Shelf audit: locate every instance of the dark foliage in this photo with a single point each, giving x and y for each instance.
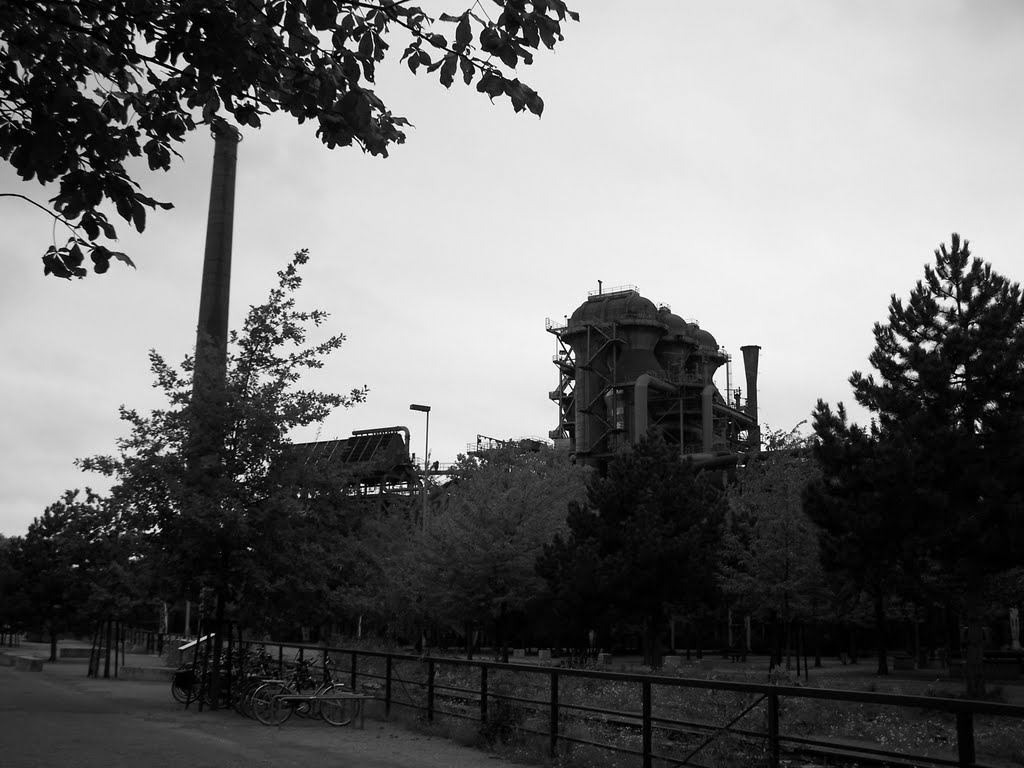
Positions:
(939, 478)
(644, 547)
(85, 85)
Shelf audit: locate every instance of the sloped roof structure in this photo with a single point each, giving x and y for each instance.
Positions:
(369, 457)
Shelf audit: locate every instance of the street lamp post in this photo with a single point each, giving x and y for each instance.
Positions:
(426, 457)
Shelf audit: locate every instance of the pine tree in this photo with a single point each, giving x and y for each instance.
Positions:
(870, 520)
(949, 402)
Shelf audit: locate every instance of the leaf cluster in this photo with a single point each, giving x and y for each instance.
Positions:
(934, 486)
(770, 550)
(87, 85)
(475, 559)
(77, 564)
(869, 517)
(645, 544)
(211, 477)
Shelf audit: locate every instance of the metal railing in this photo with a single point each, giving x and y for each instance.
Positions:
(665, 719)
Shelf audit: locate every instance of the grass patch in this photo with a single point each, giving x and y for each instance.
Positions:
(518, 716)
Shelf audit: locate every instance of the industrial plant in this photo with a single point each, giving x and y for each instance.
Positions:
(626, 368)
(629, 368)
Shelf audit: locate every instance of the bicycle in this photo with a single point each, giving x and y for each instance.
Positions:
(276, 700)
(264, 701)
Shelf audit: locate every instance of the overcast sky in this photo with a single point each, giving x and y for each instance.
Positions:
(774, 170)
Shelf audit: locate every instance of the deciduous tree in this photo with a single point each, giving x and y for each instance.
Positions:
(210, 475)
(12, 606)
(87, 85)
(647, 541)
(771, 564)
(70, 568)
(475, 563)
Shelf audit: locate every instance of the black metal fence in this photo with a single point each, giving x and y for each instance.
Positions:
(670, 721)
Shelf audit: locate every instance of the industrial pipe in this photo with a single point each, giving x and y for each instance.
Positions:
(707, 398)
(379, 430)
(641, 394)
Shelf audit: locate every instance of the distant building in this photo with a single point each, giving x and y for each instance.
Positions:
(628, 368)
(372, 463)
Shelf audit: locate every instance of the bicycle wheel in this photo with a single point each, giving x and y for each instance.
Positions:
(337, 711)
(243, 702)
(185, 686)
(315, 703)
(304, 684)
(267, 707)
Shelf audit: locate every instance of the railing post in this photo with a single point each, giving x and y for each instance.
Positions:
(353, 675)
(553, 725)
(430, 690)
(773, 729)
(483, 694)
(646, 723)
(965, 739)
(387, 685)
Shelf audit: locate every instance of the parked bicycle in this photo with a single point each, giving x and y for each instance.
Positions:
(301, 694)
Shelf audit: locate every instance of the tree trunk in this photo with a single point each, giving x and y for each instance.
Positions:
(789, 647)
(53, 643)
(803, 650)
(776, 652)
(94, 653)
(883, 651)
(951, 622)
(817, 645)
(502, 640)
(919, 651)
(106, 656)
(218, 649)
(652, 642)
(975, 666)
(787, 622)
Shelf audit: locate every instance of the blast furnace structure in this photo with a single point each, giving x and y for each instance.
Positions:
(628, 368)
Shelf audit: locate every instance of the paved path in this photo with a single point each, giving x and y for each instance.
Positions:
(59, 717)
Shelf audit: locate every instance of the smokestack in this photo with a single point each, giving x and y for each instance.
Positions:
(210, 369)
(750, 356)
(212, 331)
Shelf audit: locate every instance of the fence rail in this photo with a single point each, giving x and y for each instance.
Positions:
(652, 715)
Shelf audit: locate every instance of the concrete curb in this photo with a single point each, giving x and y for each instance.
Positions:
(21, 661)
(28, 663)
